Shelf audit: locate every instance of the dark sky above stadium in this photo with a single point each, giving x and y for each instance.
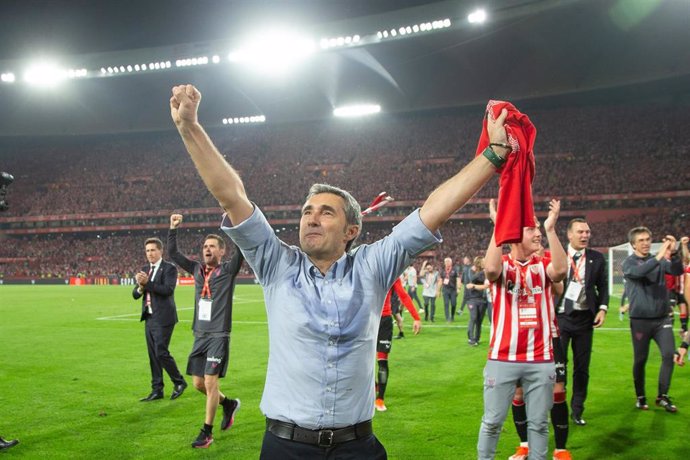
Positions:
(528, 50)
(29, 27)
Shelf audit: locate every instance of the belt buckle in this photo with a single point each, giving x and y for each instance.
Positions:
(325, 438)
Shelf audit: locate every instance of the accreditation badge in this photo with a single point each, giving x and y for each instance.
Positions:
(205, 309)
(574, 291)
(527, 313)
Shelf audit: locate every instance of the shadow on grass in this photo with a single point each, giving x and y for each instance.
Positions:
(623, 440)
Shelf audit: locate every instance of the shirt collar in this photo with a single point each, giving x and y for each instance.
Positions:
(572, 251)
(336, 271)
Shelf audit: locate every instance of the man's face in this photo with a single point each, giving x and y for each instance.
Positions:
(579, 235)
(642, 243)
(466, 261)
(212, 252)
(153, 253)
(531, 240)
(448, 263)
(323, 228)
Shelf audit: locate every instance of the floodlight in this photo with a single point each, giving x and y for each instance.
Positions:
(274, 51)
(7, 77)
(103, 70)
(356, 110)
(45, 74)
(477, 17)
(215, 59)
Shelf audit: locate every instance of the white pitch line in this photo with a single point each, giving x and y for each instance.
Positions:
(236, 300)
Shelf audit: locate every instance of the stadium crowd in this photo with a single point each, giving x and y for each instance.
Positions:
(403, 155)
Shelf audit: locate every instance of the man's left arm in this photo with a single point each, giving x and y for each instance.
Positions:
(236, 260)
(558, 268)
(602, 287)
(456, 191)
(674, 266)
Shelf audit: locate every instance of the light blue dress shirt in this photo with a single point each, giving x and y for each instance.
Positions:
(323, 328)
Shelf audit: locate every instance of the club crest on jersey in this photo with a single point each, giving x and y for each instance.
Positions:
(534, 269)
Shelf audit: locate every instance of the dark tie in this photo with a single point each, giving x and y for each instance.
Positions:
(148, 294)
(576, 257)
(569, 304)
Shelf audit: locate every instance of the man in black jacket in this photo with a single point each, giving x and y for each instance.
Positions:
(582, 308)
(650, 310)
(156, 286)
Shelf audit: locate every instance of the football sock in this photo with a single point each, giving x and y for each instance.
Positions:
(520, 419)
(559, 419)
(383, 378)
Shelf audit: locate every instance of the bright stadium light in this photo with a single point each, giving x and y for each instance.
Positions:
(356, 110)
(477, 17)
(246, 119)
(7, 77)
(44, 74)
(273, 52)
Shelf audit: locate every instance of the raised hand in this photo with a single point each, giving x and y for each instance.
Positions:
(184, 104)
(175, 220)
(554, 210)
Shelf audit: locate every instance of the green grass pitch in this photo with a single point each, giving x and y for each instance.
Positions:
(73, 366)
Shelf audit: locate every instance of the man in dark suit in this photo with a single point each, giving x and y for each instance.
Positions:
(582, 308)
(155, 286)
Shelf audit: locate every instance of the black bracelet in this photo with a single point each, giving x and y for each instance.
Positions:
(493, 158)
(500, 144)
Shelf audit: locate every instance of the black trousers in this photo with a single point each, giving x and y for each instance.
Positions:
(275, 448)
(412, 292)
(450, 299)
(576, 328)
(643, 332)
(157, 342)
(477, 310)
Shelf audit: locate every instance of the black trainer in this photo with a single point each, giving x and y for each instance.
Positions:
(6, 444)
(203, 440)
(641, 403)
(665, 402)
(229, 414)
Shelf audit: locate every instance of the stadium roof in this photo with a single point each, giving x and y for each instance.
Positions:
(526, 50)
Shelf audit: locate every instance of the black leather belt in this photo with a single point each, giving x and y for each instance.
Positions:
(321, 438)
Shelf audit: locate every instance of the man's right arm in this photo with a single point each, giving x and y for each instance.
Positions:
(220, 178)
(179, 258)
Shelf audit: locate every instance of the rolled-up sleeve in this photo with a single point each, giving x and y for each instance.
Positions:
(389, 256)
(414, 236)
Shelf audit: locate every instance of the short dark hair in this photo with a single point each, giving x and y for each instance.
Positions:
(156, 241)
(353, 212)
(577, 220)
(213, 236)
(632, 234)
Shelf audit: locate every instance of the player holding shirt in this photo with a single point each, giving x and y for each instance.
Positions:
(521, 345)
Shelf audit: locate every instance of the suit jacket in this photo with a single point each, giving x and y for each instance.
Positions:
(596, 281)
(162, 289)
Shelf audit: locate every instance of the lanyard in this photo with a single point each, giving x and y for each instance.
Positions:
(576, 268)
(206, 291)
